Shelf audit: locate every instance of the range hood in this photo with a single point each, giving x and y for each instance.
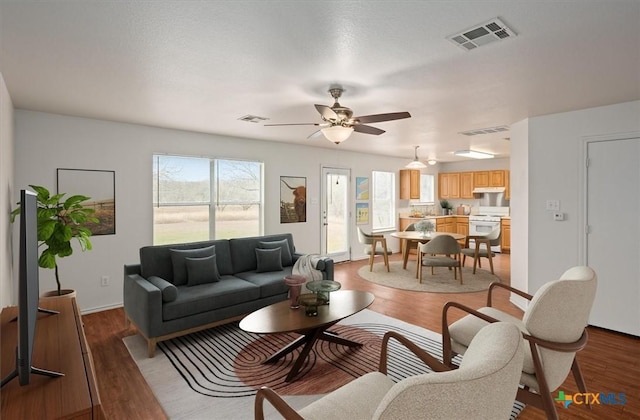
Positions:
(484, 190)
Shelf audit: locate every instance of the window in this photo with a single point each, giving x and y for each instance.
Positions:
(197, 199)
(383, 203)
(427, 194)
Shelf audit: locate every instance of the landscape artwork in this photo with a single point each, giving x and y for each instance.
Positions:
(362, 188)
(100, 186)
(293, 199)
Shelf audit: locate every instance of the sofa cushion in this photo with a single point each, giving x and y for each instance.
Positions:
(229, 291)
(201, 270)
(268, 260)
(243, 254)
(270, 283)
(169, 291)
(155, 260)
(178, 259)
(285, 252)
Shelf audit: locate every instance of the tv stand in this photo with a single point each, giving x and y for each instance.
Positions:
(59, 344)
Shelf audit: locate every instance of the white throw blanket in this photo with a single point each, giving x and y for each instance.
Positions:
(306, 266)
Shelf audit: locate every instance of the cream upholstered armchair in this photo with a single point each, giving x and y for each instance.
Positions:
(553, 327)
(484, 387)
(371, 247)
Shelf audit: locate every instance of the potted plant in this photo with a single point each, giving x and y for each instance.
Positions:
(59, 221)
(445, 206)
(425, 227)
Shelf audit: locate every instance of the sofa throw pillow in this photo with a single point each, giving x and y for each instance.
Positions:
(202, 270)
(268, 260)
(168, 290)
(285, 252)
(179, 264)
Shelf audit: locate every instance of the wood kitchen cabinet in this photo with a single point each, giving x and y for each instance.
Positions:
(505, 241)
(495, 178)
(409, 184)
(462, 225)
(446, 224)
(466, 184)
(449, 185)
(507, 185)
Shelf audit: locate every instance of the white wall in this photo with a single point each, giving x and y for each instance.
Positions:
(7, 202)
(552, 156)
(45, 142)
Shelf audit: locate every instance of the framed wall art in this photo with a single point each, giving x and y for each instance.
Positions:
(293, 199)
(100, 186)
(362, 213)
(362, 188)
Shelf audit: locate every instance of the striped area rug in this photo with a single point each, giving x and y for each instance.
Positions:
(214, 374)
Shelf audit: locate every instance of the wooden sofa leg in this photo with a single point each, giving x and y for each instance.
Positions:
(151, 347)
(127, 322)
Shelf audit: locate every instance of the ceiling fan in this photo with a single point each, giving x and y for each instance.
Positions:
(339, 122)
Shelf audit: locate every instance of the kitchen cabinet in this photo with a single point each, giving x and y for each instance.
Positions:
(462, 225)
(505, 241)
(449, 185)
(507, 191)
(409, 184)
(446, 224)
(466, 184)
(495, 178)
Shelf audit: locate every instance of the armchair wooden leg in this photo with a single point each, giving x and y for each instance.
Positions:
(490, 261)
(577, 375)
(386, 255)
(371, 259)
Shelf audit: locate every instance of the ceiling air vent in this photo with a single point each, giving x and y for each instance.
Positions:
(482, 34)
(252, 118)
(490, 130)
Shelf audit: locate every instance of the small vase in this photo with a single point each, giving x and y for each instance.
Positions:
(295, 285)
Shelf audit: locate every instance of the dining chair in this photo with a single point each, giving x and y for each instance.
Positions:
(441, 251)
(482, 248)
(484, 387)
(553, 329)
(371, 242)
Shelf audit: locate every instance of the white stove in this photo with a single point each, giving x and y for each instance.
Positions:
(486, 221)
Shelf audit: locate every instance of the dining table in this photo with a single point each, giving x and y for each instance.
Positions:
(408, 237)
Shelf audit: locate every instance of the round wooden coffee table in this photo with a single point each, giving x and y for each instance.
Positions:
(280, 318)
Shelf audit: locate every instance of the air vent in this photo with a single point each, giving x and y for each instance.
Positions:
(490, 130)
(482, 34)
(252, 118)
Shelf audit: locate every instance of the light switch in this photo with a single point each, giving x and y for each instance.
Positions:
(558, 217)
(553, 205)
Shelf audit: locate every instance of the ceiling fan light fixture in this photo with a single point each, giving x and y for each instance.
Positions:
(432, 162)
(415, 163)
(474, 154)
(337, 133)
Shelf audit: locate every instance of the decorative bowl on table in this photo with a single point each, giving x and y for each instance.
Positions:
(311, 301)
(323, 288)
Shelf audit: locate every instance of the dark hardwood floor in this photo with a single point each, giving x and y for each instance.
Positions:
(610, 362)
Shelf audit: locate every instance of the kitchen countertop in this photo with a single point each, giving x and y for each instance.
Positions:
(434, 217)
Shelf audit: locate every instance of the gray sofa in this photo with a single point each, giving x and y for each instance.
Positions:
(179, 289)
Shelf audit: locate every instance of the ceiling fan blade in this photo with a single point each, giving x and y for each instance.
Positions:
(275, 125)
(367, 129)
(326, 112)
(367, 119)
(314, 135)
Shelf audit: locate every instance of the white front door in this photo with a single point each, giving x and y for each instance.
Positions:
(613, 232)
(336, 217)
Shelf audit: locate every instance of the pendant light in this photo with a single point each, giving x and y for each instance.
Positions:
(415, 163)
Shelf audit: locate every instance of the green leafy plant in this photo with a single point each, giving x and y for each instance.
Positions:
(445, 204)
(425, 226)
(59, 221)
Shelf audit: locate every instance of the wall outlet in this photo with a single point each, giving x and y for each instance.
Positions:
(104, 281)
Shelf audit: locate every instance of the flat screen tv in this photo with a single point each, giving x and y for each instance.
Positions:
(28, 291)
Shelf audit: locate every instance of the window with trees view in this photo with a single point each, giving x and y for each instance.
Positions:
(197, 199)
(383, 202)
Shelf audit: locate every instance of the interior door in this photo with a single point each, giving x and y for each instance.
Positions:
(613, 232)
(336, 217)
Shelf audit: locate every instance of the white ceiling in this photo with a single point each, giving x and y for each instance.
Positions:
(201, 65)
